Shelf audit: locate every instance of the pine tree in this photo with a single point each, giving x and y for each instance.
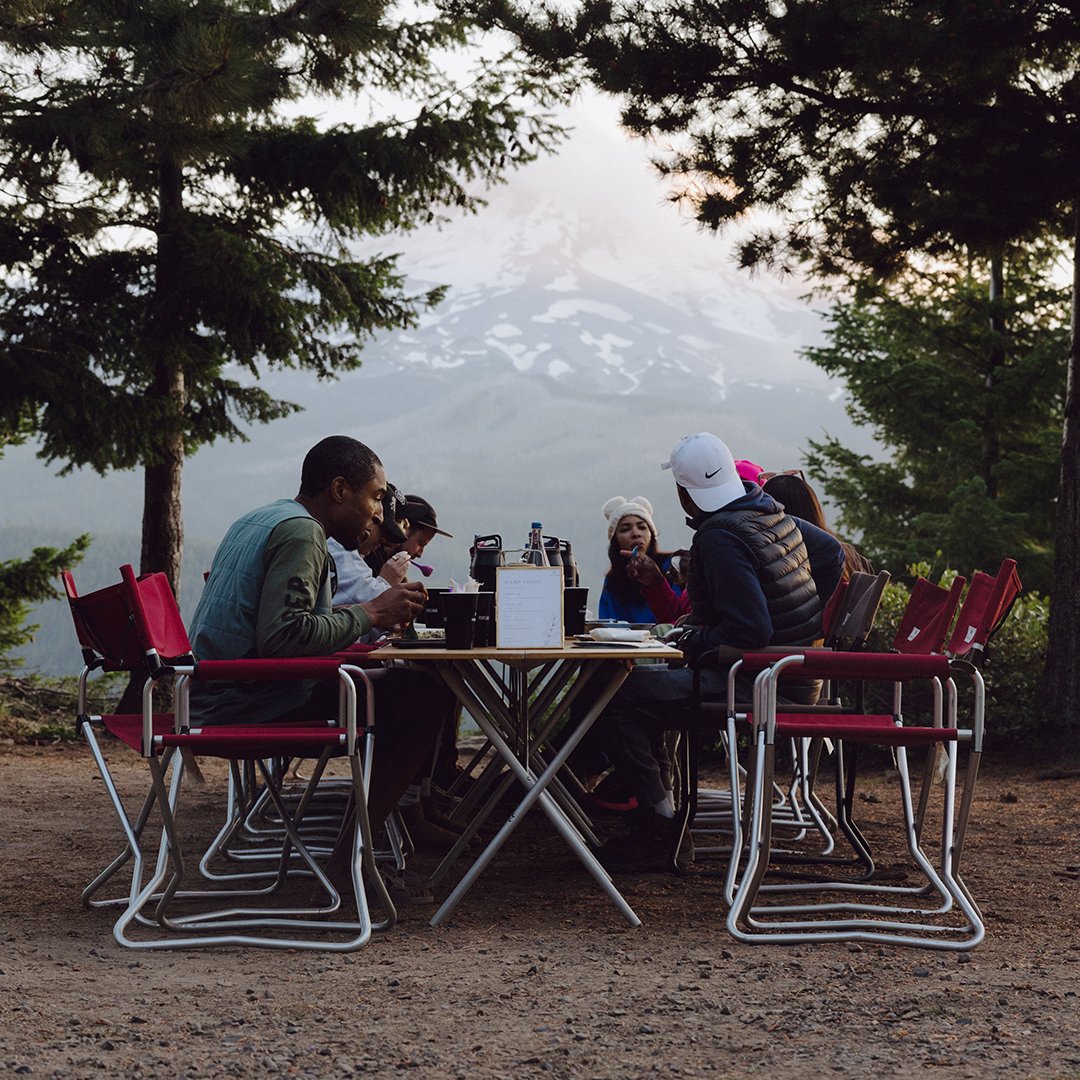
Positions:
(966, 390)
(170, 230)
(29, 581)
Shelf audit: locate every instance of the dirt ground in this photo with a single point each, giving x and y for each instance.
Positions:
(536, 974)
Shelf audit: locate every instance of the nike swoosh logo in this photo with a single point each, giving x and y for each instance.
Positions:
(710, 475)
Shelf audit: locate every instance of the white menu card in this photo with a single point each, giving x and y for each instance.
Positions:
(528, 607)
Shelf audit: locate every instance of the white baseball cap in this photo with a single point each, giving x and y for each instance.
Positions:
(703, 465)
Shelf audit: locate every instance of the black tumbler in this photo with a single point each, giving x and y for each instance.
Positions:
(432, 612)
(485, 620)
(459, 618)
(574, 603)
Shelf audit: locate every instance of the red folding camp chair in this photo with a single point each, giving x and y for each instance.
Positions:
(938, 913)
(146, 615)
(109, 643)
(934, 914)
(986, 606)
(922, 629)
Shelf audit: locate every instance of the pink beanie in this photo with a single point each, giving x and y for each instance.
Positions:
(748, 470)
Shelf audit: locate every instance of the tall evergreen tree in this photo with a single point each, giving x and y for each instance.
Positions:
(868, 129)
(966, 390)
(168, 234)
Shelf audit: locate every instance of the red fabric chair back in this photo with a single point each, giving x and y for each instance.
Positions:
(925, 623)
(155, 615)
(988, 602)
(104, 627)
(828, 615)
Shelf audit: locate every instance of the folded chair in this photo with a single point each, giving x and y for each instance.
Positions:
(937, 913)
(148, 615)
(109, 643)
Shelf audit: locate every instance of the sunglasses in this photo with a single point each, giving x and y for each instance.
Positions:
(767, 476)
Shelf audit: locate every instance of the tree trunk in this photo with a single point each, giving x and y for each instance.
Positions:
(163, 523)
(162, 527)
(1062, 673)
(995, 361)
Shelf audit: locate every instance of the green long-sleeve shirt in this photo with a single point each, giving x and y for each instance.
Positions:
(269, 595)
(295, 617)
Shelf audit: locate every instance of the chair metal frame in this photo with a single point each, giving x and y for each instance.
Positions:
(847, 619)
(886, 913)
(955, 923)
(154, 621)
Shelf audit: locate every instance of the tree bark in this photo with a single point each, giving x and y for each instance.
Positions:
(163, 521)
(162, 526)
(995, 361)
(1062, 673)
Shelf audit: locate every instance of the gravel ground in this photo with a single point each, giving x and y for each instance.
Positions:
(536, 975)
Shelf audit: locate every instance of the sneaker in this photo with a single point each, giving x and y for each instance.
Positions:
(613, 794)
(647, 848)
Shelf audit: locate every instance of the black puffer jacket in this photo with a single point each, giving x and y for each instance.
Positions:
(758, 576)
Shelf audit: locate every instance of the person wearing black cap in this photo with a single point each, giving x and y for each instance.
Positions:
(422, 524)
(419, 806)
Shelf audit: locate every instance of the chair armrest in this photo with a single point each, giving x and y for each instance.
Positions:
(826, 664)
(269, 670)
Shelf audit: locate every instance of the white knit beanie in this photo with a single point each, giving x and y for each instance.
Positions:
(615, 509)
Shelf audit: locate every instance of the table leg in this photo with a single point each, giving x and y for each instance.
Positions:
(536, 792)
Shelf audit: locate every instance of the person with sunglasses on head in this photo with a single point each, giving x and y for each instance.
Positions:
(791, 490)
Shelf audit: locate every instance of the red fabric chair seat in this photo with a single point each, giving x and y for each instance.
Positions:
(861, 727)
(255, 740)
(128, 727)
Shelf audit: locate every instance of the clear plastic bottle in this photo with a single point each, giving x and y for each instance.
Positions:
(535, 555)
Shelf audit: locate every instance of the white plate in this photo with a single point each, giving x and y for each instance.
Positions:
(618, 633)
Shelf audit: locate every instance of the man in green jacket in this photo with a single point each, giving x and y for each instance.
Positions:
(269, 595)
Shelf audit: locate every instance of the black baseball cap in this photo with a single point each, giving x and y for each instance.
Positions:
(420, 512)
(393, 506)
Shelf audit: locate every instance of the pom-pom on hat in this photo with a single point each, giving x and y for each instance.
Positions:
(703, 465)
(615, 509)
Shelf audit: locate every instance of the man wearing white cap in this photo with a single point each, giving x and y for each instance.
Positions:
(757, 577)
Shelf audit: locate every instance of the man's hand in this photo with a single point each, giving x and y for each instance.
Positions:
(642, 569)
(396, 606)
(395, 568)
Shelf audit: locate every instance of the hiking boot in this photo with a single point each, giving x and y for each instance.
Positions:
(427, 837)
(647, 848)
